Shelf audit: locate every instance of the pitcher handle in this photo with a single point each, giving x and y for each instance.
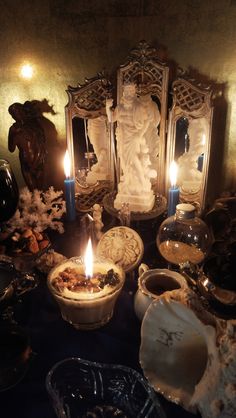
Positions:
(142, 268)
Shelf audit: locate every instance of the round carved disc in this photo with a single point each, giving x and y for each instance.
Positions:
(123, 246)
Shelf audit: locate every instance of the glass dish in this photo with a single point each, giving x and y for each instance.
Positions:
(80, 388)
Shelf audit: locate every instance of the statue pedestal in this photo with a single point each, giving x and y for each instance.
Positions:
(157, 210)
(137, 203)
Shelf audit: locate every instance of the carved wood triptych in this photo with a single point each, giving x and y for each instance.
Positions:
(183, 132)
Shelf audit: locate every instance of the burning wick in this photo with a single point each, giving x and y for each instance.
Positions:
(88, 260)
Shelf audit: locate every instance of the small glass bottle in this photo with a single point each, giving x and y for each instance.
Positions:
(183, 237)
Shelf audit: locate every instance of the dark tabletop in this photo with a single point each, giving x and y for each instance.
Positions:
(52, 339)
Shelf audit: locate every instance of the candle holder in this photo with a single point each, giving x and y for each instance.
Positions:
(86, 303)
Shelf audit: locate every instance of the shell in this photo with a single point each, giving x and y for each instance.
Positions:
(189, 356)
(215, 394)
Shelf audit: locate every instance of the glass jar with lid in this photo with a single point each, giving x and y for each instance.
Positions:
(184, 237)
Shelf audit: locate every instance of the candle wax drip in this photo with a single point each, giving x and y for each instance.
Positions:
(73, 280)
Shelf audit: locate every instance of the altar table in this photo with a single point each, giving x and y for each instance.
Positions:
(52, 340)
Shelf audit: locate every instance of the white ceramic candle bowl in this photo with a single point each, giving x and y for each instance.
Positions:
(152, 284)
(86, 310)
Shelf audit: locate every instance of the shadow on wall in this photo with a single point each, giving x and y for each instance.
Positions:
(40, 153)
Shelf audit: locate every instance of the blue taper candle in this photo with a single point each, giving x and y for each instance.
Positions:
(69, 184)
(173, 194)
(173, 200)
(70, 199)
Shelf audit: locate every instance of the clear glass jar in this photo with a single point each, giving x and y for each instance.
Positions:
(184, 237)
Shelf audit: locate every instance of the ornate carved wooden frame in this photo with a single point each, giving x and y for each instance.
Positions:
(86, 101)
(191, 101)
(144, 68)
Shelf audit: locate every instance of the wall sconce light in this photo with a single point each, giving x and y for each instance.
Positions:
(26, 71)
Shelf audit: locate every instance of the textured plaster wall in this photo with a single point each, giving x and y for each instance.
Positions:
(68, 40)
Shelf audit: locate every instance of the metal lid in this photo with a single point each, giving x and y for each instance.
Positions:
(185, 211)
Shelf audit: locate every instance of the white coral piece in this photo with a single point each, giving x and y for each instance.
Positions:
(39, 210)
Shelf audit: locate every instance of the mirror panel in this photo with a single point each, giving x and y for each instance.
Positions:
(91, 148)
(88, 135)
(189, 138)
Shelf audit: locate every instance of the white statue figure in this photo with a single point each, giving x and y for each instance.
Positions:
(189, 175)
(151, 134)
(132, 123)
(99, 138)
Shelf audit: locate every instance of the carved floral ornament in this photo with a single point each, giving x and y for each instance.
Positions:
(150, 74)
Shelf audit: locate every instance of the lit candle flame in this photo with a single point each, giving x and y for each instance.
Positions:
(67, 165)
(173, 173)
(88, 260)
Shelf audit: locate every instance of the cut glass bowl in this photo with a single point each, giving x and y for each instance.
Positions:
(83, 389)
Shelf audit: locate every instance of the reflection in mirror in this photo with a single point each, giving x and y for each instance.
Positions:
(189, 154)
(79, 144)
(98, 137)
(151, 134)
(182, 138)
(189, 138)
(91, 150)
